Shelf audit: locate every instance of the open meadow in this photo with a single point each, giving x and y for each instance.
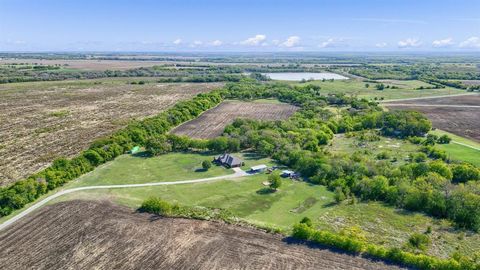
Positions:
(405, 89)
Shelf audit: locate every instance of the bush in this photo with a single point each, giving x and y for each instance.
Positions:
(206, 164)
(444, 139)
(157, 206)
(419, 241)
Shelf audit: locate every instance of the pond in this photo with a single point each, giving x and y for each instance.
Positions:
(298, 76)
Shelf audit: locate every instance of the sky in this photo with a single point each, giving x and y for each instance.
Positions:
(239, 25)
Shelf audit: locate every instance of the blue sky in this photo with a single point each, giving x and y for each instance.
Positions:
(240, 25)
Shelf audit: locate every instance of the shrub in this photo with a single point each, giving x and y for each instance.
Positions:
(156, 206)
(206, 164)
(419, 241)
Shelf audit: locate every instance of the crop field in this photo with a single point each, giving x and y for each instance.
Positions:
(101, 235)
(471, 82)
(406, 89)
(45, 120)
(212, 123)
(458, 115)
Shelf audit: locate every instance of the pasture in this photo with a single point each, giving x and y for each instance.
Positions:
(406, 89)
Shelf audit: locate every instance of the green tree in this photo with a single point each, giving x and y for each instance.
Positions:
(275, 181)
(339, 195)
(444, 139)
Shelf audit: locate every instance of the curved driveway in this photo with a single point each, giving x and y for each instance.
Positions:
(238, 173)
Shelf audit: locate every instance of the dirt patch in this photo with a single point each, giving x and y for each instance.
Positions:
(100, 235)
(212, 123)
(43, 121)
(449, 115)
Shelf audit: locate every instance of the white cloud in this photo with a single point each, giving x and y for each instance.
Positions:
(254, 41)
(471, 43)
(441, 43)
(381, 45)
(409, 43)
(216, 43)
(291, 41)
(275, 42)
(177, 41)
(331, 43)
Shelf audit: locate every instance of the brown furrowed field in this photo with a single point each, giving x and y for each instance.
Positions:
(459, 115)
(42, 121)
(212, 123)
(101, 235)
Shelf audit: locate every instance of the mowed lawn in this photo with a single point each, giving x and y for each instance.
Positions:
(406, 89)
(140, 168)
(246, 198)
(135, 169)
(458, 151)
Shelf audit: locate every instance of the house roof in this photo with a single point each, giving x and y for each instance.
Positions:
(229, 159)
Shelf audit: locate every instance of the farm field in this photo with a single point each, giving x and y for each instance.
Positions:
(212, 123)
(86, 64)
(116, 237)
(406, 89)
(245, 198)
(457, 115)
(42, 121)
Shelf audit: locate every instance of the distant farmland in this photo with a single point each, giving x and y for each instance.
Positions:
(45, 120)
(458, 114)
(212, 123)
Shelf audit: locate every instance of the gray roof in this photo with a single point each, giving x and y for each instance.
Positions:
(230, 160)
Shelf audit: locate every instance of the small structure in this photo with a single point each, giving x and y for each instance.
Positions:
(258, 168)
(287, 173)
(228, 160)
(134, 150)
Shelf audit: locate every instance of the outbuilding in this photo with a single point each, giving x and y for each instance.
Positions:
(287, 173)
(258, 168)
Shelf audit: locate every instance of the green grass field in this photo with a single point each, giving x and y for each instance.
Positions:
(407, 89)
(396, 149)
(458, 151)
(137, 169)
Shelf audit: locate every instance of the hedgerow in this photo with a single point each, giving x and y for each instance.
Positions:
(305, 232)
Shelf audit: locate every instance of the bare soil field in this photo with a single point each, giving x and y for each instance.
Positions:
(212, 123)
(42, 121)
(87, 64)
(101, 235)
(451, 114)
(471, 82)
